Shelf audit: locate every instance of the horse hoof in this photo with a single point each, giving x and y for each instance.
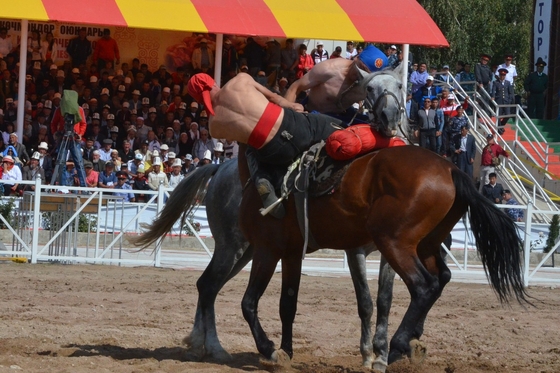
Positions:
(221, 356)
(194, 354)
(379, 365)
(417, 352)
(278, 360)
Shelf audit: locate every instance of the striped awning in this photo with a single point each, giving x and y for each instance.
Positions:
(382, 21)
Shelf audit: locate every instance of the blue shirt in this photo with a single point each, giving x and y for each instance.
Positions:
(127, 196)
(106, 179)
(514, 214)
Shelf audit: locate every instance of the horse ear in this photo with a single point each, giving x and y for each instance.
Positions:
(362, 74)
(399, 69)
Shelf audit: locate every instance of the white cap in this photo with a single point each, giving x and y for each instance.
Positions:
(138, 156)
(110, 117)
(37, 65)
(219, 147)
(36, 155)
(177, 163)
(155, 153)
(171, 155)
(394, 47)
(136, 92)
(183, 105)
(126, 104)
(48, 104)
(203, 114)
(188, 157)
(96, 116)
(207, 155)
(122, 88)
(164, 147)
(105, 91)
(93, 79)
(194, 104)
(54, 67)
(120, 72)
(166, 89)
(127, 80)
(451, 96)
(152, 110)
(43, 145)
(85, 106)
(114, 129)
(145, 101)
(75, 70)
(56, 95)
(60, 74)
(320, 43)
(430, 77)
(156, 162)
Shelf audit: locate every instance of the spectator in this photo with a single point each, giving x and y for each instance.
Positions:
(92, 177)
(351, 52)
(107, 178)
(157, 176)
(12, 173)
(502, 93)
(483, 73)
(20, 150)
(289, 60)
(254, 56)
(511, 74)
(176, 176)
(440, 125)
(319, 55)
(32, 172)
(229, 61)
(203, 144)
(536, 85)
(218, 157)
(428, 90)
(203, 58)
(418, 78)
(206, 159)
(453, 129)
(98, 164)
(487, 164)
(6, 46)
(123, 185)
(515, 214)
(188, 166)
(135, 164)
(392, 57)
(79, 48)
(305, 62)
(464, 149)
(105, 151)
(140, 183)
(466, 75)
(273, 57)
(45, 162)
(106, 50)
(427, 126)
(493, 190)
(337, 53)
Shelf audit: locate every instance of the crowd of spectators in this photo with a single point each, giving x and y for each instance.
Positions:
(144, 129)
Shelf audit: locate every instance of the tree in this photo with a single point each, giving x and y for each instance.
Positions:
(553, 233)
(473, 27)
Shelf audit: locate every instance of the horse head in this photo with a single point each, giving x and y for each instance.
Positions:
(384, 100)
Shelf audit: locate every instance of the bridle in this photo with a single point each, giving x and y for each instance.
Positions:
(373, 105)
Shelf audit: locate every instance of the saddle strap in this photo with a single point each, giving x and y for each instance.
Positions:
(302, 209)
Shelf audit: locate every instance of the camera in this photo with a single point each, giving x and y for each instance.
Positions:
(69, 123)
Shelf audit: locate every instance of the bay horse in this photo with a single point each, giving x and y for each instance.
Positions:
(232, 252)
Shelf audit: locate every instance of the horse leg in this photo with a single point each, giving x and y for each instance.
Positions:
(291, 276)
(225, 264)
(384, 301)
(358, 271)
(264, 264)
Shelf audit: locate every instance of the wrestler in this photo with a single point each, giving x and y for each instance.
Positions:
(276, 130)
(332, 82)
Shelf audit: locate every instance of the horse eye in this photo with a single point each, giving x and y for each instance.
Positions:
(400, 86)
(369, 88)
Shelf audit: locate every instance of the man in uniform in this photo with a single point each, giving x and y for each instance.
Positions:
(502, 93)
(483, 73)
(275, 129)
(511, 70)
(535, 86)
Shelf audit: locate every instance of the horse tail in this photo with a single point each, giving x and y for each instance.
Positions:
(497, 241)
(179, 205)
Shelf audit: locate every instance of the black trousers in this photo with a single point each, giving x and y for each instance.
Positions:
(428, 139)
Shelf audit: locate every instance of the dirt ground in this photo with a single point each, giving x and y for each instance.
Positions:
(78, 318)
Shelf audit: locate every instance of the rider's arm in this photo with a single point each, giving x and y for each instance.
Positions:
(277, 99)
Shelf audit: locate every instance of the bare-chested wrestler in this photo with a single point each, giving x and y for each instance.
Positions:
(328, 81)
(276, 130)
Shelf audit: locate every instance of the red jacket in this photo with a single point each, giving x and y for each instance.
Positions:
(497, 150)
(304, 61)
(106, 49)
(57, 123)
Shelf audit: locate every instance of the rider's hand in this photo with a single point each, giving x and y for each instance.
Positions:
(298, 107)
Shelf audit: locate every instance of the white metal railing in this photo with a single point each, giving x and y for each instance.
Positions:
(109, 246)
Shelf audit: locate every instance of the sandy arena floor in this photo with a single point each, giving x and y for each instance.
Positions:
(77, 318)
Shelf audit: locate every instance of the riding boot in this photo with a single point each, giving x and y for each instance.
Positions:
(264, 186)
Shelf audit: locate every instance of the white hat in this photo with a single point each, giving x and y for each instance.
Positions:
(164, 147)
(136, 92)
(122, 88)
(167, 89)
(110, 117)
(157, 161)
(126, 104)
(120, 72)
(93, 79)
(188, 157)
(152, 110)
(451, 96)
(207, 155)
(219, 147)
(85, 106)
(203, 114)
(446, 66)
(320, 43)
(394, 47)
(36, 155)
(114, 151)
(43, 145)
(57, 95)
(171, 155)
(75, 70)
(194, 104)
(145, 101)
(37, 65)
(127, 80)
(60, 74)
(8, 158)
(54, 67)
(96, 116)
(105, 91)
(155, 153)
(177, 163)
(114, 129)
(430, 77)
(183, 105)
(48, 104)
(138, 156)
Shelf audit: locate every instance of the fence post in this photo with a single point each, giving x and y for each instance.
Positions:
(161, 195)
(527, 242)
(36, 219)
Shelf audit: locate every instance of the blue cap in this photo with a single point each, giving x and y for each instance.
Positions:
(373, 58)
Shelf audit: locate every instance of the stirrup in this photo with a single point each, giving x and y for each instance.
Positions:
(271, 204)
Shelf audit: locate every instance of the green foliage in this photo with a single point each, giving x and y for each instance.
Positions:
(194, 224)
(554, 232)
(473, 27)
(7, 206)
(50, 222)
